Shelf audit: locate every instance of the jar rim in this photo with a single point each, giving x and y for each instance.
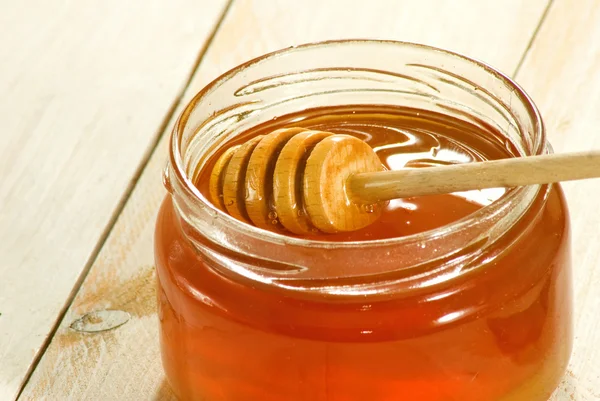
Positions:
(177, 164)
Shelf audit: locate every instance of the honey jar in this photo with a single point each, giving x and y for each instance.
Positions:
(463, 296)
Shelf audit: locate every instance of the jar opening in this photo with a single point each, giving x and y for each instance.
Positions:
(341, 73)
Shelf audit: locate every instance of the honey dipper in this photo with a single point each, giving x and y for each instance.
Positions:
(307, 181)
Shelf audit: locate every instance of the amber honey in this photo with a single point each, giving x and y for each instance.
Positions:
(490, 322)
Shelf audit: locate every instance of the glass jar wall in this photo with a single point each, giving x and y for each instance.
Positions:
(475, 306)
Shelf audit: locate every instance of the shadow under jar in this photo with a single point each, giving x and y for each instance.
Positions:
(475, 306)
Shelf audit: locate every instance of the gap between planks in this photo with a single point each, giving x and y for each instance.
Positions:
(533, 38)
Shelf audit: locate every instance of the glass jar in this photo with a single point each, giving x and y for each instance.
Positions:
(477, 310)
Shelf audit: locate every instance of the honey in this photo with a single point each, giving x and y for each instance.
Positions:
(490, 321)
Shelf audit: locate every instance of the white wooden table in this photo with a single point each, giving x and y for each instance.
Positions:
(89, 90)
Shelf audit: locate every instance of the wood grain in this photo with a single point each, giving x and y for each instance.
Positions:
(562, 74)
(85, 87)
(124, 363)
(325, 180)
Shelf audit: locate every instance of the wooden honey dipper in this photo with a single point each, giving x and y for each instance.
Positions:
(308, 181)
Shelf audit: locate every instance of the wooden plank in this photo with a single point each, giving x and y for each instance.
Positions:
(562, 74)
(124, 363)
(85, 87)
